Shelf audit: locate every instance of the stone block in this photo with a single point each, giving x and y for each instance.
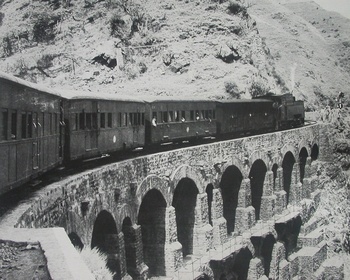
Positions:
(310, 259)
(306, 188)
(277, 256)
(173, 257)
(293, 265)
(333, 268)
(316, 197)
(244, 195)
(202, 239)
(281, 201)
(245, 219)
(284, 270)
(295, 193)
(219, 231)
(315, 183)
(268, 184)
(311, 239)
(267, 208)
(256, 269)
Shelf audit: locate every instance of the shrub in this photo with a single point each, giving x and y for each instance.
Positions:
(43, 28)
(116, 24)
(235, 7)
(45, 61)
(258, 89)
(2, 15)
(96, 261)
(7, 46)
(232, 89)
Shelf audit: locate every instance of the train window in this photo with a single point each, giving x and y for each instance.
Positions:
(119, 119)
(202, 114)
(4, 124)
(73, 121)
(206, 114)
(143, 119)
(42, 124)
(94, 120)
(191, 115)
(214, 117)
(165, 116)
(81, 121)
(138, 118)
(125, 119)
(30, 125)
(177, 116)
(88, 120)
(109, 120)
(56, 123)
(183, 116)
(14, 125)
(23, 127)
(154, 116)
(171, 116)
(131, 118)
(102, 120)
(35, 125)
(197, 115)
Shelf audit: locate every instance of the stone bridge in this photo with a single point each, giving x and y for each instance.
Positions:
(233, 209)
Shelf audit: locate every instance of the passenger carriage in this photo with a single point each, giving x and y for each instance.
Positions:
(30, 126)
(169, 120)
(102, 124)
(241, 116)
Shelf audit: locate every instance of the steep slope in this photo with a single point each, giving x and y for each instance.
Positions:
(160, 47)
(308, 45)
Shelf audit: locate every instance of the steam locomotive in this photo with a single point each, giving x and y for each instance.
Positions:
(42, 128)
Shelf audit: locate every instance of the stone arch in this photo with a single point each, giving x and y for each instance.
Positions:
(151, 218)
(154, 182)
(125, 211)
(303, 155)
(230, 185)
(184, 202)
(259, 155)
(105, 238)
(186, 171)
(285, 149)
(314, 152)
(287, 165)
(257, 177)
(76, 241)
(233, 161)
(209, 191)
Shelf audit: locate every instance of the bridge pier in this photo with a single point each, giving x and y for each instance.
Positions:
(219, 222)
(245, 212)
(172, 249)
(203, 231)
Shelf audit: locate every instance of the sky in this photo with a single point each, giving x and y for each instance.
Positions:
(340, 6)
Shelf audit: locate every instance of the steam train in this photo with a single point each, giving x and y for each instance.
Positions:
(42, 128)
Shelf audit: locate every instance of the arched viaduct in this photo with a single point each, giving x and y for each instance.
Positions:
(154, 214)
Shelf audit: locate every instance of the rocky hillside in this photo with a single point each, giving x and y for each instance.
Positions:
(208, 48)
(310, 47)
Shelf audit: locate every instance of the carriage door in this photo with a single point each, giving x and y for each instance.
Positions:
(36, 142)
(91, 128)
